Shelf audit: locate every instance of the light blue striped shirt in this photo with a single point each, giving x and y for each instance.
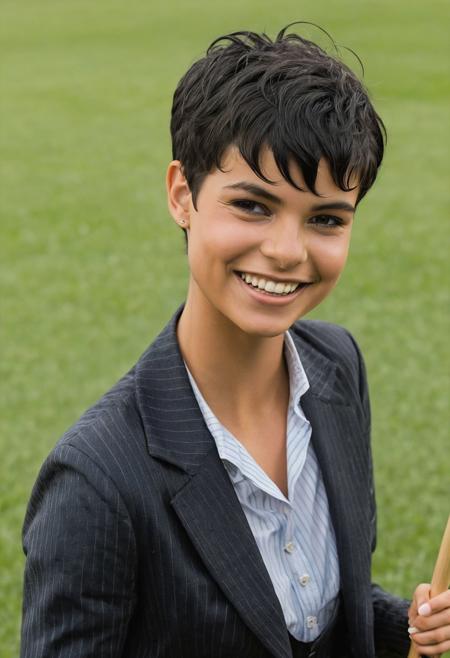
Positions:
(294, 535)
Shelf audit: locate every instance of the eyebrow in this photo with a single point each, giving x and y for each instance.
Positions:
(257, 190)
(334, 205)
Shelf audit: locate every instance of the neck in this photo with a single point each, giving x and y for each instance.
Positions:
(233, 370)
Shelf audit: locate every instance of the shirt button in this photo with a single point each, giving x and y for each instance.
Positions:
(290, 547)
(304, 580)
(311, 622)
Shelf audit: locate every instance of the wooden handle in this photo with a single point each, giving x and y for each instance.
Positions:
(441, 577)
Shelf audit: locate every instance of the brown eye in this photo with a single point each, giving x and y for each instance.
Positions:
(251, 207)
(329, 221)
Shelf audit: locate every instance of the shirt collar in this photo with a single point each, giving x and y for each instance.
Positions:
(298, 381)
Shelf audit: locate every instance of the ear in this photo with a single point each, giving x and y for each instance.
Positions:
(179, 197)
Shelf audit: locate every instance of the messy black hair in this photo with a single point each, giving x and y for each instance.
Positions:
(286, 94)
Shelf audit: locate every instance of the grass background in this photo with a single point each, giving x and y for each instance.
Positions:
(91, 268)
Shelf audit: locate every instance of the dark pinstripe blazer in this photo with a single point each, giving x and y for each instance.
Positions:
(137, 545)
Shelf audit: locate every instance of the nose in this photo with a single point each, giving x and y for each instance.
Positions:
(285, 245)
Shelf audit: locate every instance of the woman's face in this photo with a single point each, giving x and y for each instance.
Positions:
(262, 255)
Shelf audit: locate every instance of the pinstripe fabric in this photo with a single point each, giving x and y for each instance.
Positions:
(137, 546)
(305, 575)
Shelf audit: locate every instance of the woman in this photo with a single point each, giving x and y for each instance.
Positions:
(219, 501)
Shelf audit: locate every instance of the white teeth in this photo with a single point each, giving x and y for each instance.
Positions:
(274, 287)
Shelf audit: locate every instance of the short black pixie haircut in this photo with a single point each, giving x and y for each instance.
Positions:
(286, 94)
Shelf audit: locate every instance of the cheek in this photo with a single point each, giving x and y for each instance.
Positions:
(331, 257)
(219, 239)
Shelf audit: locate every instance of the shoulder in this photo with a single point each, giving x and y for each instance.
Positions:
(104, 447)
(112, 420)
(109, 442)
(97, 467)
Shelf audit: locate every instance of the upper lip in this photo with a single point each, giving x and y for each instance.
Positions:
(271, 277)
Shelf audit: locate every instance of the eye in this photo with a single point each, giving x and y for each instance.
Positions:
(251, 207)
(328, 221)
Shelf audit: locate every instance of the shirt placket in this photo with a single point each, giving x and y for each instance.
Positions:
(304, 589)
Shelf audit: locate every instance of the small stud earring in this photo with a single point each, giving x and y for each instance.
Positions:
(182, 221)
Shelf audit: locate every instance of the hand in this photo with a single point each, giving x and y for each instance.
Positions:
(429, 621)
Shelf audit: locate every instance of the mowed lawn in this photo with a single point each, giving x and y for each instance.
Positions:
(91, 267)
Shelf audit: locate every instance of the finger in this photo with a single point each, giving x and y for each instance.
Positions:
(439, 602)
(434, 649)
(421, 596)
(437, 620)
(431, 638)
(412, 612)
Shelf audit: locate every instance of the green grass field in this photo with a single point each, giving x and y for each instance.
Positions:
(92, 268)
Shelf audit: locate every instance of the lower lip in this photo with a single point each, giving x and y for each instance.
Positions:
(267, 298)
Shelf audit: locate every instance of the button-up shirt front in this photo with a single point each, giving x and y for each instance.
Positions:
(294, 534)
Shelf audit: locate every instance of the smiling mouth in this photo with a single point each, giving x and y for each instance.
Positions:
(270, 287)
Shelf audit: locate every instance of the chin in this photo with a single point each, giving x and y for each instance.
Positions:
(264, 329)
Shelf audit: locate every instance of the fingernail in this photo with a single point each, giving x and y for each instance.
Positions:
(412, 630)
(424, 609)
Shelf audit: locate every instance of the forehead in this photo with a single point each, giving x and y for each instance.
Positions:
(235, 169)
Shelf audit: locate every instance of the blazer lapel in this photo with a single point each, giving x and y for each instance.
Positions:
(206, 503)
(212, 516)
(341, 449)
(336, 439)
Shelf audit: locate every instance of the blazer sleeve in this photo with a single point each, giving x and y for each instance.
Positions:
(79, 589)
(390, 612)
